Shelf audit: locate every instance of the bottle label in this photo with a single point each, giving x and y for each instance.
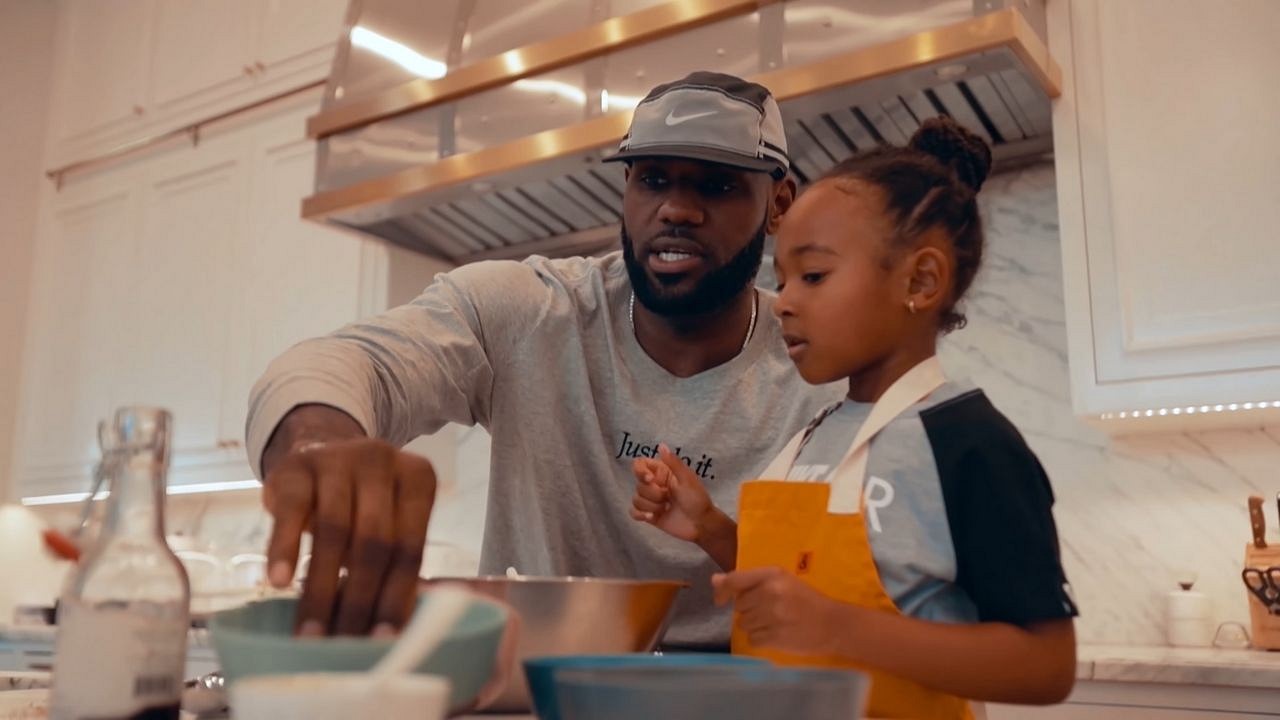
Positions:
(117, 660)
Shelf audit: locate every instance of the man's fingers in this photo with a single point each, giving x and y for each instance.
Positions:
(331, 532)
(292, 491)
(372, 541)
(415, 494)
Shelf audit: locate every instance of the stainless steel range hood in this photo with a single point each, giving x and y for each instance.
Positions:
(473, 129)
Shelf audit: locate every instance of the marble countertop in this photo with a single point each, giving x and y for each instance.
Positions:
(1101, 663)
(1182, 666)
(196, 637)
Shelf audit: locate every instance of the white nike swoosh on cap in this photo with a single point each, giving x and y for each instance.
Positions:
(673, 119)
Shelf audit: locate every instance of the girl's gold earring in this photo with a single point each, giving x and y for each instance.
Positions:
(911, 305)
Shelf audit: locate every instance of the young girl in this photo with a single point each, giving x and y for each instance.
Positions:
(907, 531)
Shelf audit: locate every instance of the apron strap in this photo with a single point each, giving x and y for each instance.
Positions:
(847, 480)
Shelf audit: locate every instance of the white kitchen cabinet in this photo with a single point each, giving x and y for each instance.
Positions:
(101, 69)
(136, 68)
(174, 280)
(78, 324)
(1168, 170)
(132, 279)
(204, 50)
(297, 35)
(185, 273)
(296, 279)
(207, 51)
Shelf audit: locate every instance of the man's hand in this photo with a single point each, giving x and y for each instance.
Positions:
(778, 610)
(366, 504)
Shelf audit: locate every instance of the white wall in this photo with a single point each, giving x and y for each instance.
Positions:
(26, 65)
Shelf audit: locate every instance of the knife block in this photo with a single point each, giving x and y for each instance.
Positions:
(1264, 632)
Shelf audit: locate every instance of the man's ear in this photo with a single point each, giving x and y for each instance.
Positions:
(784, 195)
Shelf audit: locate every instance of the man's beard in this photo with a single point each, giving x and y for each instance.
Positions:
(712, 292)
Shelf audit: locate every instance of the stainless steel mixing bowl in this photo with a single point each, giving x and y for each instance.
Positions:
(576, 616)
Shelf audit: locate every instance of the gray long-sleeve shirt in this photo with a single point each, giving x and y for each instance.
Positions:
(543, 355)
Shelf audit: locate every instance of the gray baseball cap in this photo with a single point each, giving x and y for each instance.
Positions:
(709, 116)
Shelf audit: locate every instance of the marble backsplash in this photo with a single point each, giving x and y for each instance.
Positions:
(1133, 512)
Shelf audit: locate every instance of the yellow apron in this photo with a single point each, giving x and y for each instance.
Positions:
(818, 532)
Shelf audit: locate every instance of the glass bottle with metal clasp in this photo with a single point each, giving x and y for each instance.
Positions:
(124, 612)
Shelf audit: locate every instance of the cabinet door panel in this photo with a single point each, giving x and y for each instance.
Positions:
(294, 29)
(203, 50)
(77, 336)
(296, 279)
(103, 54)
(192, 214)
(1187, 197)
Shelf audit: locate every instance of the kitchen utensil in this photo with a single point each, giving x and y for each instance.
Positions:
(340, 696)
(428, 628)
(1264, 621)
(576, 616)
(257, 639)
(541, 672)
(1257, 522)
(1264, 583)
(742, 693)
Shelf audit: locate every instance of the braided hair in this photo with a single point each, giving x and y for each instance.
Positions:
(933, 182)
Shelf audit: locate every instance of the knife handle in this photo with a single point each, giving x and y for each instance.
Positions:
(1258, 522)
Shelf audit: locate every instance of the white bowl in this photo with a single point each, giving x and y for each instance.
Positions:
(339, 696)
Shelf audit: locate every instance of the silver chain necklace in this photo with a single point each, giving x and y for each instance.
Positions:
(751, 326)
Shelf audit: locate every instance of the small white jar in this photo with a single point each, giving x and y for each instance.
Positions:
(1188, 618)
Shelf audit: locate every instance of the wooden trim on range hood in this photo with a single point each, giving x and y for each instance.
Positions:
(1006, 29)
(593, 41)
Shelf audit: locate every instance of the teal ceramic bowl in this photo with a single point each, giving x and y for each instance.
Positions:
(257, 639)
(695, 693)
(542, 672)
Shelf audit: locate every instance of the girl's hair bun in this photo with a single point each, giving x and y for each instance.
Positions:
(951, 144)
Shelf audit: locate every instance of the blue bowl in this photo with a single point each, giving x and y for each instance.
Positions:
(542, 672)
(258, 639)
(693, 693)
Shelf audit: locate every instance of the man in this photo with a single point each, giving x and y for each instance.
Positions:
(575, 367)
